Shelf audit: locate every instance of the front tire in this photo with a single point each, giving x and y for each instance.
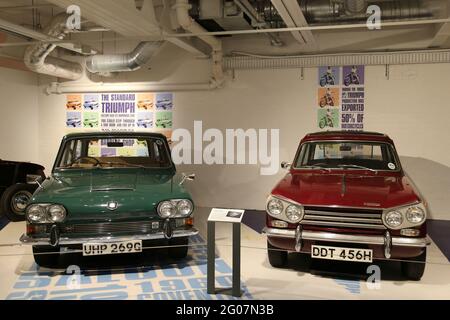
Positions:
(46, 256)
(415, 268)
(180, 248)
(277, 258)
(15, 199)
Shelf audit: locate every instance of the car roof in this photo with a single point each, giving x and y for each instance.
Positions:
(347, 135)
(102, 134)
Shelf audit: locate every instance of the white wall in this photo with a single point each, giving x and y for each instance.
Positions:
(19, 115)
(412, 107)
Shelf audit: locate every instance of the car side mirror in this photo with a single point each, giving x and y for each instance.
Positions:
(286, 165)
(34, 178)
(188, 177)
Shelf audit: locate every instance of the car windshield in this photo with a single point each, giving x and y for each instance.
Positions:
(89, 153)
(347, 155)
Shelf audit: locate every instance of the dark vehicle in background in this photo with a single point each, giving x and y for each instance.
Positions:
(17, 185)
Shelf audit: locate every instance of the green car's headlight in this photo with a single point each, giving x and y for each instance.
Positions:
(56, 213)
(166, 210)
(185, 207)
(36, 214)
(177, 208)
(46, 213)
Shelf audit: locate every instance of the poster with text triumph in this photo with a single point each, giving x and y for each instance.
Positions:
(341, 98)
(152, 112)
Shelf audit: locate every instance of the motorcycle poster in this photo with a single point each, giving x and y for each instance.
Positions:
(329, 76)
(328, 97)
(341, 97)
(353, 75)
(328, 119)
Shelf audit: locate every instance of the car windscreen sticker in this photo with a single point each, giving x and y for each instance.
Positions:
(391, 166)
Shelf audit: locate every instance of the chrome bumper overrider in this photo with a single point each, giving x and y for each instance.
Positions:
(63, 240)
(386, 240)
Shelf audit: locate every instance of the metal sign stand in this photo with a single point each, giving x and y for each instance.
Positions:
(211, 252)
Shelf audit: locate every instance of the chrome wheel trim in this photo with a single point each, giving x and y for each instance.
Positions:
(19, 201)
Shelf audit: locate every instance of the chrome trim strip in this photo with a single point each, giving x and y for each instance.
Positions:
(347, 214)
(342, 219)
(347, 238)
(343, 224)
(24, 239)
(387, 245)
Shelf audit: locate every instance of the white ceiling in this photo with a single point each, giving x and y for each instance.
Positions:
(130, 26)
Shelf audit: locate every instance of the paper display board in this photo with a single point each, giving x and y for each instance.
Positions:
(226, 215)
(341, 98)
(124, 111)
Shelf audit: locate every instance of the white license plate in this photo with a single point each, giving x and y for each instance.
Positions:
(97, 249)
(342, 254)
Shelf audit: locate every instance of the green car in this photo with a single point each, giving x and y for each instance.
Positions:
(164, 123)
(90, 122)
(110, 203)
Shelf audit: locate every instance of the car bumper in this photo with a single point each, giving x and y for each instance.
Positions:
(384, 246)
(64, 240)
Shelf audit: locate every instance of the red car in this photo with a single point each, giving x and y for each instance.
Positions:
(347, 198)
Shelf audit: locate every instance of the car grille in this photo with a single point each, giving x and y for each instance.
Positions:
(343, 217)
(111, 227)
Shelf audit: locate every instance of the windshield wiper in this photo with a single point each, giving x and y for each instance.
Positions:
(318, 166)
(356, 167)
(121, 164)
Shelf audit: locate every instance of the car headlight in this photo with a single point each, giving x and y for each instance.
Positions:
(36, 214)
(185, 207)
(294, 213)
(46, 213)
(56, 213)
(394, 219)
(166, 209)
(415, 215)
(275, 207)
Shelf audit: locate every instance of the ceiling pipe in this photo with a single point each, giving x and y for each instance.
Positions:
(258, 21)
(37, 57)
(355, 6)
(68, 88)
(182, 8)
(18, 30)
(134, 60)
(292, 15)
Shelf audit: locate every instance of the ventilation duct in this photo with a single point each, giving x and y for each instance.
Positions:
(355, 6)
(37, 57)
(105, 64)
(331, 11)
(182, 8)
(345, 11)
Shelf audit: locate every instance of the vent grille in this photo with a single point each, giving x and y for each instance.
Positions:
(308, 61)
(343, 217)
(112, 227)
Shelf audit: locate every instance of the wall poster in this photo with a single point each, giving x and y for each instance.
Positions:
(108, 112)
(341, 98)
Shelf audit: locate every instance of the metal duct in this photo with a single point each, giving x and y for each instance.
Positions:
(329, 11)
(342, 11)
(37, 57)
(131, 61)
(355, 6)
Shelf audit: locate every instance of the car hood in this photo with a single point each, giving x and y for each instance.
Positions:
(86, 193)
(347, 189)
